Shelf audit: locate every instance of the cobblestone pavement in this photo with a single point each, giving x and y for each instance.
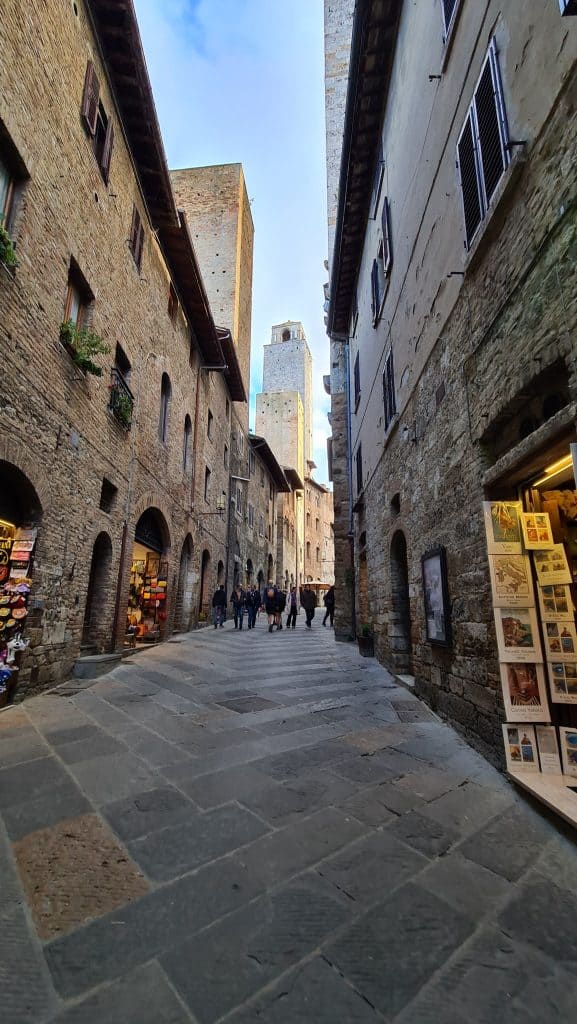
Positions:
(263, 827)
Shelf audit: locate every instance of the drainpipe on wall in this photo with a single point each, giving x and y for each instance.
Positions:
(350, 487)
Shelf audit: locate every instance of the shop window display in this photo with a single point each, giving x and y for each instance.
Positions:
(532, 550)
(16, 553)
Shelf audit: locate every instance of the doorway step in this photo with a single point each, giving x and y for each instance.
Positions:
(90, 666)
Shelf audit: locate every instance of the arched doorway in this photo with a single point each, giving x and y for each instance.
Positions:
(220, 573)
(203, 600)
(20, 515)
(270, 569)
(400, 618)
(148, 594)
(184, 588)
(249, 571)
(97, 626)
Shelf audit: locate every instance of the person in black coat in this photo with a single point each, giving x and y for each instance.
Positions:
(309, 603)
(219, 607)
(329, 603)
(270, 603)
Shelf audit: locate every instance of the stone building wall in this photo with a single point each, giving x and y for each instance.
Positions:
(280, 418)
(288, 366)
(494, 339)
(56, 429)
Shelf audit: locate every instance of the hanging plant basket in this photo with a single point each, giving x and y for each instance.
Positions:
(82, 345)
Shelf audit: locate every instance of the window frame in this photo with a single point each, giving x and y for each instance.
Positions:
(165, 400)
(389, 392)
(471, 123)
(225, 456)
(91, 110)
(209, 424)
(186, 448)
(378, 175)
(207, 476)
(450, 24)
(136, 239)
(359, 469)
(357, 381)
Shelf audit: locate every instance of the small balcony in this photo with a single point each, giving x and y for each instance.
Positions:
(121, 399)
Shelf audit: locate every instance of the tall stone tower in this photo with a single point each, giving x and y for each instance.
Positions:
(288, 366)
(215, 202)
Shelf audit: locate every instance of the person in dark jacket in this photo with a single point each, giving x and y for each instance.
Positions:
(293, 608)
(253, 602)
(238, 601)
(219, 607)
(270, 604)
(280, 607)
(329, 603)
(309, 603)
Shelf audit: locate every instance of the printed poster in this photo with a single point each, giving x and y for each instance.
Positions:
(560, 641)
(520, 748)
(548, 749)
(568, 739)
(555, 603)
(503, 527)
(563, 681)
(537, 533)
(511, 581)
(552, 566)
(517, 634)
(524, 692)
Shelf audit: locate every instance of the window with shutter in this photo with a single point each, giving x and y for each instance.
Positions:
(357, 381)
(389, 400)
(449, 11)
(90, 98)
(106, 156)
(376, 300)
(136, 240)
(359, 465)
(482, 148)
(385, 226)
(377, 182)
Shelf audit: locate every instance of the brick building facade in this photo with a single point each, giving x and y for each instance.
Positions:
(453, 295)
(110, 472)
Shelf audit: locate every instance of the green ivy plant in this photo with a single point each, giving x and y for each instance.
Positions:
(122, 408)
(83, 345)
(7, 250)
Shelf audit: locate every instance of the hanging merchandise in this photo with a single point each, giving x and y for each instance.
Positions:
(16, 552)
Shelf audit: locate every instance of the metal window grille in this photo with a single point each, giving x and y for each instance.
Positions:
(482, 149)
(449, 11)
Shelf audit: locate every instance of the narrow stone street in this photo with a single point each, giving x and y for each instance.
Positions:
(267, 828)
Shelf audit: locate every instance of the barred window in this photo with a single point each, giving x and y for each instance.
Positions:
(483, 147)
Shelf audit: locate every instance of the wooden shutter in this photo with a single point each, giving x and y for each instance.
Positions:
(472, 204)
(107, 151)
(385, 225)
(90, 98)
(136, 241)
(389, 402)
(490, 126)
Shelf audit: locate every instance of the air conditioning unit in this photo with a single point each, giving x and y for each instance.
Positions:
(568, 6)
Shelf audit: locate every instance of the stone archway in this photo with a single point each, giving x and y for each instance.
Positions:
(220, 573)
(150, 565)
(400, 617)
(203, 600)
(99, 608)
(183, 609)
(19, 500)
(249, 571)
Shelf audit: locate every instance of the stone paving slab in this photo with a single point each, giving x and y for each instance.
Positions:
(319, 860)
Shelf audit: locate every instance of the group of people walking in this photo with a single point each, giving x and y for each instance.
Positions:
(275, 602)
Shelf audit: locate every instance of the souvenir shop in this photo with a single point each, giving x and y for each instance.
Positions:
(148, 593)
(19, 515)
(531, 531)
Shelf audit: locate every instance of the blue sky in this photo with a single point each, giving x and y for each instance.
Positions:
(243, 81)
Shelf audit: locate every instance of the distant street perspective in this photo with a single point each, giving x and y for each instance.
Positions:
(288, 512)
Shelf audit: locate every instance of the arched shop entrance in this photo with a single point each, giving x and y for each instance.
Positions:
(203, 602)
(148, 594)
(96, 630)
(400, 618)
(20, 514)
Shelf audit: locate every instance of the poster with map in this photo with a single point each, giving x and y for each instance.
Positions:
(511, 580)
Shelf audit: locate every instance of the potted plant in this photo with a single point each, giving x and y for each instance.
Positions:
(7, 251)
(82, 345)
(366, 640)
(121, 406)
